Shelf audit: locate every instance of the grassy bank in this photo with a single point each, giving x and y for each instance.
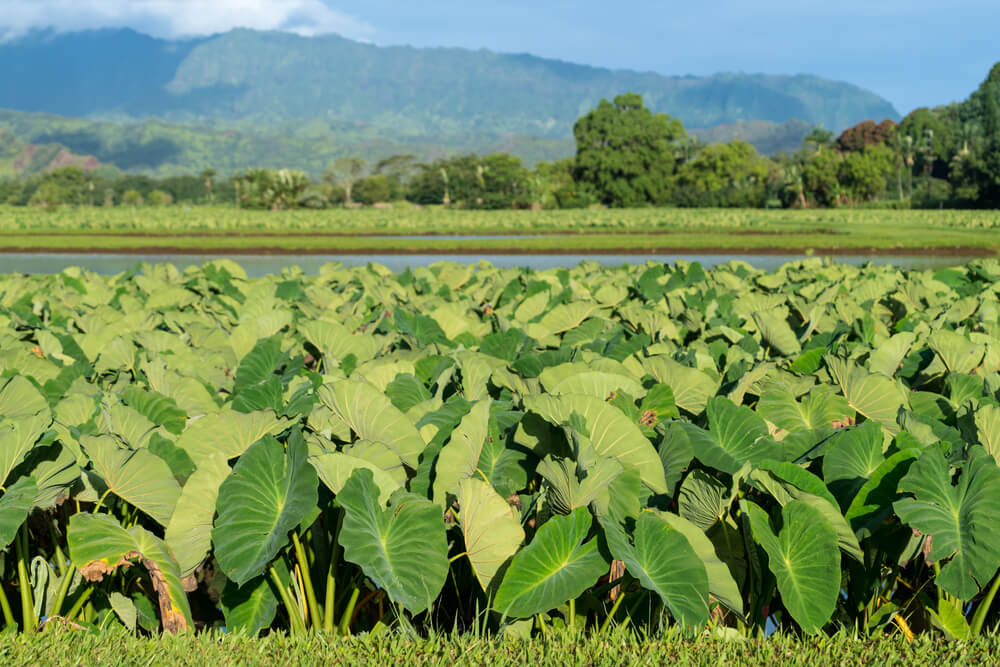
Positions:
(80, 648)
(640, 231)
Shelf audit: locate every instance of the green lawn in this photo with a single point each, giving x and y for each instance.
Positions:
(638, 231)
(68, 647)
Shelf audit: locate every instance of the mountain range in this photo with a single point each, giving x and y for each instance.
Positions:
(347, 96)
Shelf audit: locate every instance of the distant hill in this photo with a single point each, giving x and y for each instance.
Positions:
(272, 78)
(767, 137)
(19, 158)
(159, 148)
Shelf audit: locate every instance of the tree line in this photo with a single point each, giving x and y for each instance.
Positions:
(626, 156)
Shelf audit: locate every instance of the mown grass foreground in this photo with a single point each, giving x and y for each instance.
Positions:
(494, 452)
(637, 231)
(69, 648)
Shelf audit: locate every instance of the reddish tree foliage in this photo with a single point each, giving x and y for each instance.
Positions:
(865, 133)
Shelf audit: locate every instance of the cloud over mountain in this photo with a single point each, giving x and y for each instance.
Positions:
(174, 18)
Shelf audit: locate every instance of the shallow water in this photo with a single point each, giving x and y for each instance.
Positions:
(258, 265)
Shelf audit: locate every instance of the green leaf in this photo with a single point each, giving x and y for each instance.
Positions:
(372, 416)
(959, 354)
(157, 408)
(736, 435)
(692, 387)
(490, 526)
(268, 494)
(249, 608)
(721, 584)
(17, 438)
(963, 519)
(189, 532)
(460, 456)
(775, 331)
(98, 546)
(610, 433)
(988, 428)
(873, 501)
(875, 396)
(702, 499)
(15, 504)
(138, 477)
(819, 409)
(804, 559)
(402, 548)
(555, 567)
(228, 433)
(663, 561)
(125, 609)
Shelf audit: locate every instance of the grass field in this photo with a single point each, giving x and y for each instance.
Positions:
(638, 231)
(78, 648)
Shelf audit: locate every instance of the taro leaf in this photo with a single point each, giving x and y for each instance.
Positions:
(819, 409)
(228, 433)
(736, 436)
(660, 401)
(565, 492)
(249, 608)
(988, 427)
(850, 459)
(125, 609)
(138, 476)
(423, 328)
(787, 481)
(15, 504)
(335, 468)
(875, 396)
(959, 354)
(157, 408)
(268, 494)
(581, 378)
(874, 500)
(402, 548)
(692, 387)
(804, 559)
(372, 416)
(189, 532)
(20, 398)
(55, 470)
(504, 467)
(98, 545)
(336, 342)
(405, 391)
(491, 528)
(663, 561)
(676, 454)
(963, 519)
(702, 499)
(458, 459)
(775, 331)
(555, 567)
(611, 434)
(721, 584)
(17, 438)
(259, 364)
(887, 358)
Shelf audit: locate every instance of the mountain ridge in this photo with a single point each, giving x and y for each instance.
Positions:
(269, 77)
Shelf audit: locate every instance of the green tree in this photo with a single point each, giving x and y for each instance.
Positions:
(819, 178)
(374, 189)
(625, 153)
(730, 174)
(863, 174)
(818, 139)
(345, 172)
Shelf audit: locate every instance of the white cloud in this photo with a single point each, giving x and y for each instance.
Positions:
(177, 18)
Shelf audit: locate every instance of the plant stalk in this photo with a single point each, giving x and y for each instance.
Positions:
(314, 608)
(345, 618)
(78, 605)
(64, 585)
(8, 613)
(611, 614)
(331, 594)
(984, 607)
(298, 626)
(28, 619)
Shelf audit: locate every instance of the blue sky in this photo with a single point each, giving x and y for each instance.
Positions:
(914, 53)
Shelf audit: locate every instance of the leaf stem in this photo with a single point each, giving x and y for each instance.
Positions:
(28, 619)
(331, 594)
(64, 585)
(300, 554)
(295, 617)
(345, 618)
(8, 613)
(984, 607)
(80, 601)
(611, 614)
(101, 501)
